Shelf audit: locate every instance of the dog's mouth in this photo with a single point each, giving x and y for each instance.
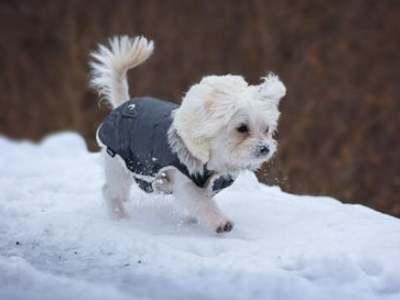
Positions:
(256, 163)
(252, 165)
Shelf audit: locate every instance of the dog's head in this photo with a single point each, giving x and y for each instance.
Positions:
(229, 124)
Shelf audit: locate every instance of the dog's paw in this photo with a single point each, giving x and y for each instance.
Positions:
(225, 226)
(119, 214)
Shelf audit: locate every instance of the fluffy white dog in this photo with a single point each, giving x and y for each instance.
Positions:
(223, 126)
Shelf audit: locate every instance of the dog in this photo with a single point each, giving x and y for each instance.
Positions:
(222, 127)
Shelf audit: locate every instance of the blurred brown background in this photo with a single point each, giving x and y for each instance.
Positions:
(340, 61)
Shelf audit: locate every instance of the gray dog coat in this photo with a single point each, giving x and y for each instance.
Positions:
(137, 131)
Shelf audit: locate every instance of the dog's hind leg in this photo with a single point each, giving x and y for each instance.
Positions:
(117, 186)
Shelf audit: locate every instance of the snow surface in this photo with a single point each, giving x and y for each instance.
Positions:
(56, 241)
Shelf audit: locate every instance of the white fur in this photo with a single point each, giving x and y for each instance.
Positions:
(213, 108)
(198, 204)
(205, 129)
(110, 66)
(117, 186)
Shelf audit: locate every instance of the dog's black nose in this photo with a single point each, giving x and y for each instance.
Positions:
(263, 149)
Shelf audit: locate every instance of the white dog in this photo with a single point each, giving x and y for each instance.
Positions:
(223, 126)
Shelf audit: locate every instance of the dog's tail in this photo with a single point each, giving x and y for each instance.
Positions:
(110, 65)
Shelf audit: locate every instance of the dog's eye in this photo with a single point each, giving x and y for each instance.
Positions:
(242, 129)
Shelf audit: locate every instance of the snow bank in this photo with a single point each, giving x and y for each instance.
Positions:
(58, 243)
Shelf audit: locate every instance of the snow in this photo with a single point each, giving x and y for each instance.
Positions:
(57, 241)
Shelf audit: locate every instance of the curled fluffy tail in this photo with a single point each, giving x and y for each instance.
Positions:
(110, 65)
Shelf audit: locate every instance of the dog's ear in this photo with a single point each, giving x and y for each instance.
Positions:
(272, 89)
(221, 98)
(189, 122)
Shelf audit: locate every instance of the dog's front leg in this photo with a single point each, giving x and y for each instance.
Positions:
(199, 205)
